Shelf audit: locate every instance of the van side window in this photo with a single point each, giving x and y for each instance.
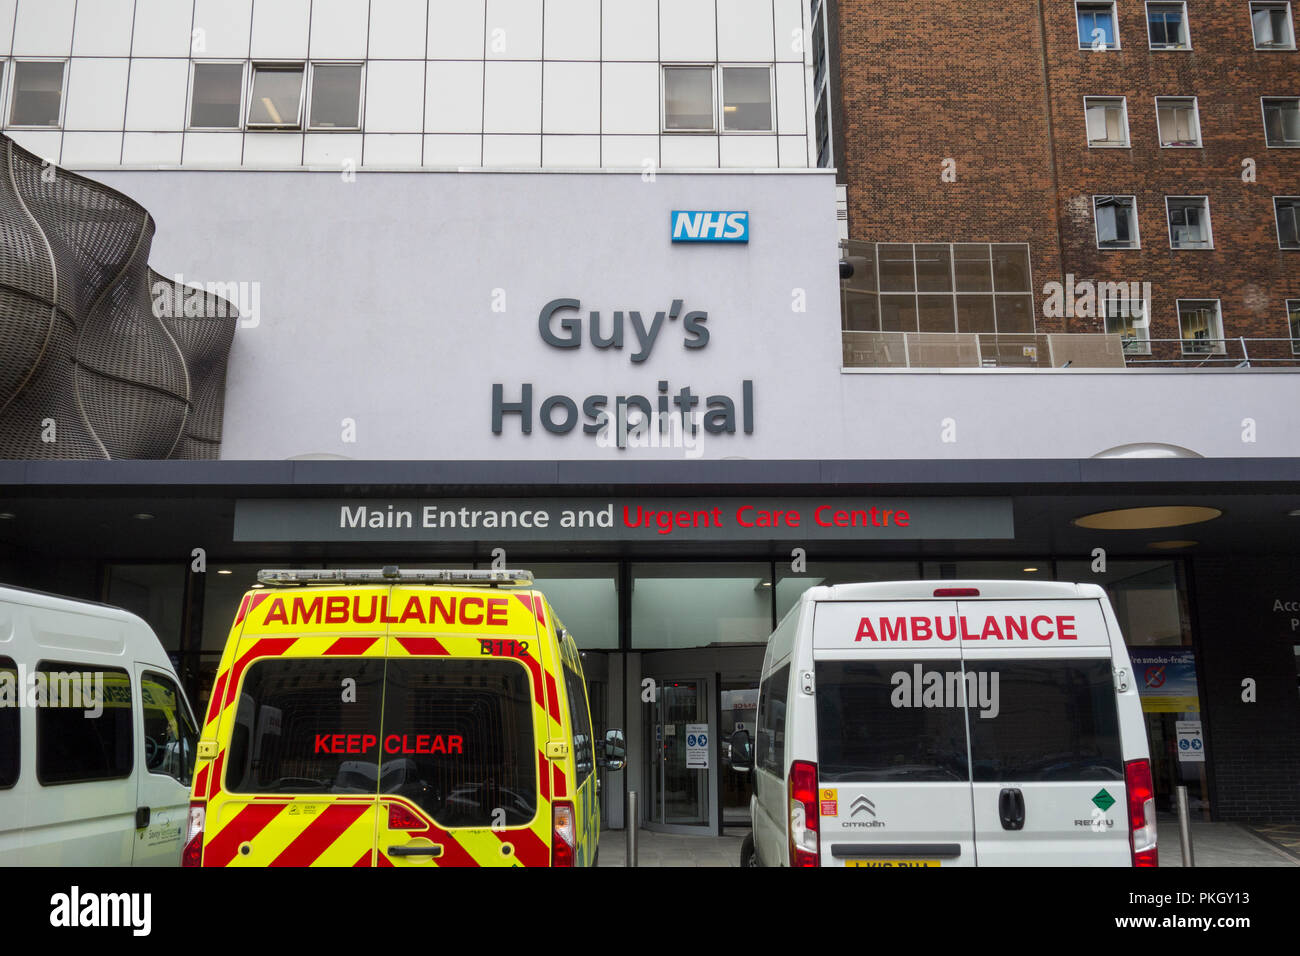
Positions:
(770, 749)
(170, 737)
(83, 723)
(10, 698)
(580, 716)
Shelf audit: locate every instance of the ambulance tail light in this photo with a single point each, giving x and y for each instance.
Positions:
(1141, 813)
(564, 835)
(401, 818)
(805, 822)
(192, 855)
(956, 592)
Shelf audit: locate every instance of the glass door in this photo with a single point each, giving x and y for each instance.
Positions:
(679, 753)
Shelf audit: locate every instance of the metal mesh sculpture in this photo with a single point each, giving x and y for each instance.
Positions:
(87, 356)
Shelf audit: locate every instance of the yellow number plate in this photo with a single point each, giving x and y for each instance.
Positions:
(892, 863)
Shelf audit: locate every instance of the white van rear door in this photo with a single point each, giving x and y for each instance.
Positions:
(167, 740)
(1046, 755)
(891, 756)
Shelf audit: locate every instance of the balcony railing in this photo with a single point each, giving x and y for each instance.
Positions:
(1059, 350)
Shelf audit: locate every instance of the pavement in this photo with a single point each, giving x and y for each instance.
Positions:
(1213, 844)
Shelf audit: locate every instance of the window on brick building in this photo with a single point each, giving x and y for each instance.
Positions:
(1178, 121)
(1272, 25)
(1286, 209)
(1201, 326)
(1167, 26)
(1129, 318)
(1117, 223)
(1189, 222)
(1293, 323)
(1097, 26)
(1282, 121)
(1107, 121)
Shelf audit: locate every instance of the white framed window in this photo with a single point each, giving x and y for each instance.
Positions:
(1281, 121)
(36, 93)
(1293, 323)
(1272, 25)
(1200, 325)
(688, 99)
(1167, 27)
(747, 99)
(1117, 222)
(1189, 222)
(216, 94)
(1126, 317)
(1107, 119)
(1286, 212)
(1098, 25)
(275, 96)
(1178, 122)
(335, 96)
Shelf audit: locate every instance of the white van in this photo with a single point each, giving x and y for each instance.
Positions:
(950, 723)
(97, 742)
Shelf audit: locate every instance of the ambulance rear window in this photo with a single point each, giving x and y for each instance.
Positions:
(458, 740)
(869, 731)
(307, 726)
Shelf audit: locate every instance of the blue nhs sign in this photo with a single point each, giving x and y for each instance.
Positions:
(697, 226)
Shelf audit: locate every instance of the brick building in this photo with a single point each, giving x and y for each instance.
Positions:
(1123, 142)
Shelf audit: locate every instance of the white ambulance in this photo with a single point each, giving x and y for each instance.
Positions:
(947, 723)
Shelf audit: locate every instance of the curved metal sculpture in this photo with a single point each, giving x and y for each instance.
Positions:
(91, 365)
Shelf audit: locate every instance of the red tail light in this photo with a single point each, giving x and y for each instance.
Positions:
(192, 855)
(805, 821)
(401, 818)
(956, 592)
(564, 834)
(1141, 813)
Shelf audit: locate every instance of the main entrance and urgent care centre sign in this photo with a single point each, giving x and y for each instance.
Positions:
(624, 519)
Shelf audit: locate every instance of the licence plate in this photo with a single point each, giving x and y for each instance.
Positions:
(885, 863)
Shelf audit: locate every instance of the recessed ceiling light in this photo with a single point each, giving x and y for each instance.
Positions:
(1293, 513)
(1139, 519)
(225, 571)
(142, 516)
(7, 516)
(1031, 570)
(1172, 545)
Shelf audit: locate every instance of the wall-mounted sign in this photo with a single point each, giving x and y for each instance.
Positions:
(697, 746)
(1166, 679)
(715, 226)
(624, 519)
(1191, 744)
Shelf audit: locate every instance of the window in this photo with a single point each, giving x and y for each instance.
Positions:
(217, 95)
(1189, 222)
(1271, 23)
(823, 124)
(1126, 317)
(688, 99)
(1107, 121)
(1282, 121)
(9, 723)
(335, 96)
(1167, 26)
(584, 758)
(769, 748)
(1097, 30)
(746, 99)
(1117, 223)
(37, 93)
(1200, 325)
(73, 743)
(1178, 121)
(276, 100)
(1286, 209)
(1293, 321)
(170, 737)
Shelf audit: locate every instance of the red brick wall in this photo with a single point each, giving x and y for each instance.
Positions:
(966, 80)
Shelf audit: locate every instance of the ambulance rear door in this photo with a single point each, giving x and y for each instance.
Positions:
(1046, 759)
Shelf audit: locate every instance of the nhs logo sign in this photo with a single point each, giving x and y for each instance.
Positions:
(697, 226)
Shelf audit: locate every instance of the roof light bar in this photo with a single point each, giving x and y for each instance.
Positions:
(392, 575)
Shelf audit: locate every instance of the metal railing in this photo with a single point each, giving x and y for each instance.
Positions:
(1042, 350)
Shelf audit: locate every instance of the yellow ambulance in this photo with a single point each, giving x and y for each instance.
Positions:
(398, 718)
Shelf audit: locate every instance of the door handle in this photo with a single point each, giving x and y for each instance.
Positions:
(141, 817)
(415, 851)
(1011, 808)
